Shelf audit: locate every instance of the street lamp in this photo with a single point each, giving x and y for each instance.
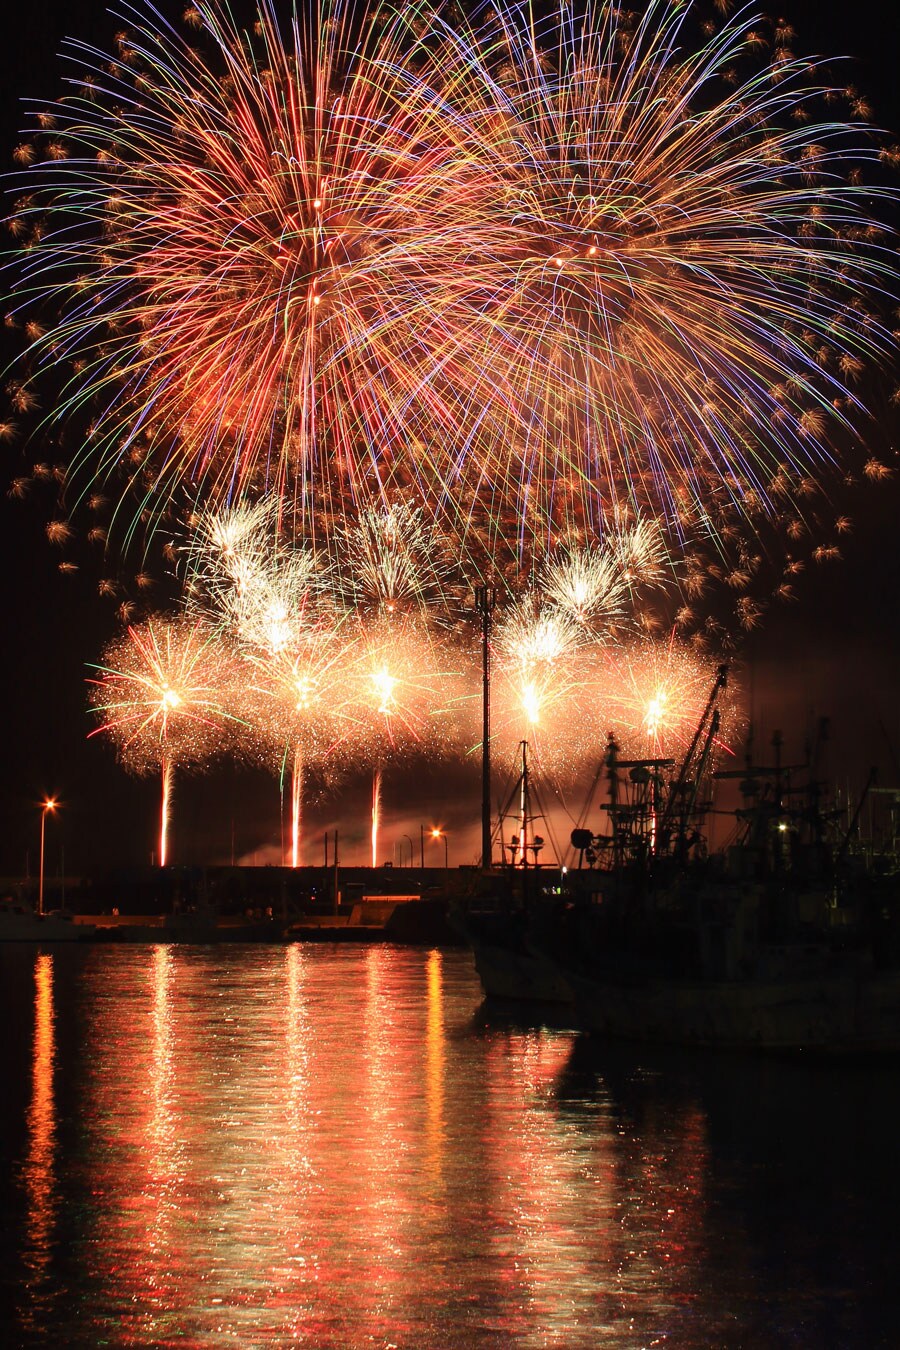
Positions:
(441, 834)
(48, 805)
(410, 842)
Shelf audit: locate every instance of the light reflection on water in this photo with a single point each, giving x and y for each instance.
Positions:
(39, 1175)
(333, 1147)
(434, 1059)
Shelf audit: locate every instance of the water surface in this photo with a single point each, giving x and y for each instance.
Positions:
(339, 1147)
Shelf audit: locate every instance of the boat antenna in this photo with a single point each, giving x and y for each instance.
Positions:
(704, 730)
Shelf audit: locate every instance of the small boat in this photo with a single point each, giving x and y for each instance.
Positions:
(20, 923)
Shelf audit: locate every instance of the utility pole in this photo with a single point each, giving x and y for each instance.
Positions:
(485, 601)
(337, 888)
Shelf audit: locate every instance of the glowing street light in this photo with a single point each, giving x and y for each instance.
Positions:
(48, 805)
(441, 834)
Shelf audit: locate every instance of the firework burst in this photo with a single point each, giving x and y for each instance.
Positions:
(393, 564)
(161, 698)
(403, 683)
(267, 595)
(651, 695)
(541, 270)
(245, 236)
(672, 262)
(598, 586)
(543, 660)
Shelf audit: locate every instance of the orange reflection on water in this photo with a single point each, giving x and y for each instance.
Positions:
(387, 1128)
(434, 1064)
(531, 1182)
(161, 1142)
(40, 1174)
(149, 1217)
(320, 1147)
(615, 1204)
(296, 1261)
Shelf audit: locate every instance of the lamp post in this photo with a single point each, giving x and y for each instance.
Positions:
(442, 834)
(48, 805)
(410, 842)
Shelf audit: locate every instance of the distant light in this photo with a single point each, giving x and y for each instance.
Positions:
(782, 826)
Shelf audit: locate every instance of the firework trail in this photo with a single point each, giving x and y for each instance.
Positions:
(161, 697)
(535, 268)
(376, 814)
(167, 775)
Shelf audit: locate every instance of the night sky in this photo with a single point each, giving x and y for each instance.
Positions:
(835, 653)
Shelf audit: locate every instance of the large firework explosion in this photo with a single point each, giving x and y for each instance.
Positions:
(543, 271)
(243, 232)
(675, 259)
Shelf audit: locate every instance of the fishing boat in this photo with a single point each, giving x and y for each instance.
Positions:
(783, 940)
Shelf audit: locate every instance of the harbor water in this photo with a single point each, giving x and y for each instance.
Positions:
(342, 1147)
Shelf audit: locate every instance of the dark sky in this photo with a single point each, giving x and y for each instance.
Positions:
(836, 653)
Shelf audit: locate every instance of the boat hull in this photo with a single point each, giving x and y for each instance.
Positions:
(837, 1014)
(518, 976)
